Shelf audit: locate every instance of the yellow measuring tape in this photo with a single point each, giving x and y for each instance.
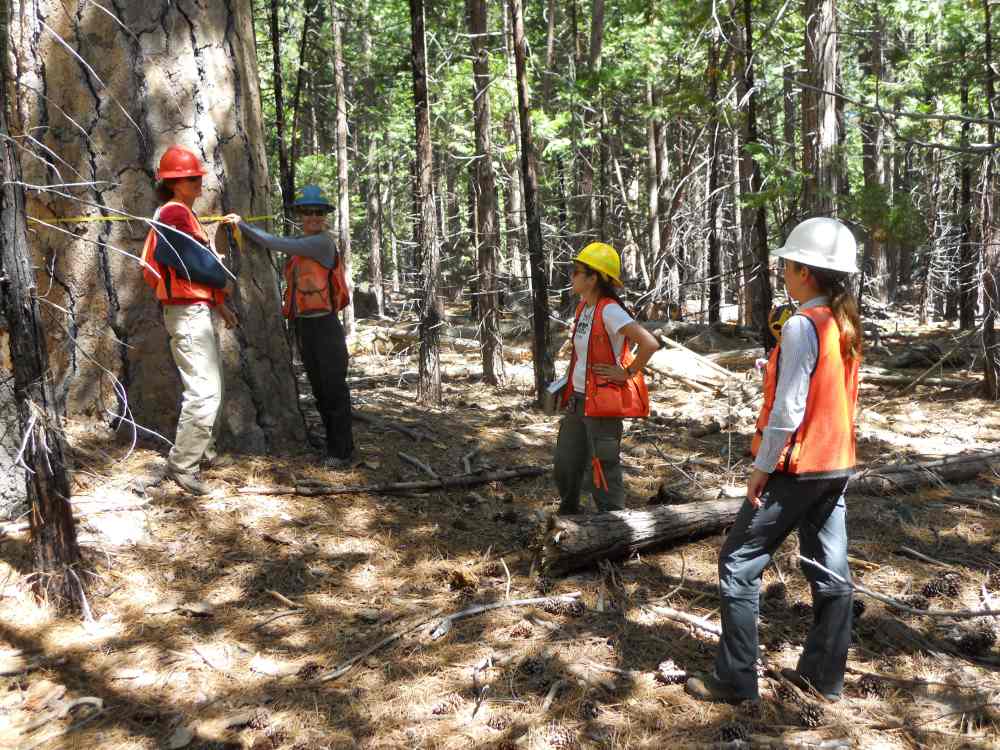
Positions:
(87, 219)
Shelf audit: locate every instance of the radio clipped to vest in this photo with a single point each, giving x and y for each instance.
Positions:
(312, 289)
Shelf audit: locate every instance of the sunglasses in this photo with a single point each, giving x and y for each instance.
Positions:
(312, 212)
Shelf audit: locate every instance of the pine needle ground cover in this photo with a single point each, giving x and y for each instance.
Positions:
(218, 621)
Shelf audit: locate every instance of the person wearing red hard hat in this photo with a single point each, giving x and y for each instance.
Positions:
(191, 283)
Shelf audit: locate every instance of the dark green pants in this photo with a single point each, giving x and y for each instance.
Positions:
(580, 438)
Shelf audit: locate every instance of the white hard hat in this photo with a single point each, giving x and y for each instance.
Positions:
(823, 243)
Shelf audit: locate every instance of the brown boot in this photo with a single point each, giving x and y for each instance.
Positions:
(188, 482)
(708, 687)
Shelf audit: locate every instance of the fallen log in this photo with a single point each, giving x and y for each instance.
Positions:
(573, 542)
(458, 344)
(461, 480)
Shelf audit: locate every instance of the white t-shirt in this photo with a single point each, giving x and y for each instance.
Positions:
(615, 318)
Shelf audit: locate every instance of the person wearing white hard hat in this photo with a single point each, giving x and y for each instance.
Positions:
(804, 454)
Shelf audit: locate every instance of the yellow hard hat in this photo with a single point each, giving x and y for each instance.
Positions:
(602, 257)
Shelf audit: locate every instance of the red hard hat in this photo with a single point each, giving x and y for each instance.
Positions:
(178, 161)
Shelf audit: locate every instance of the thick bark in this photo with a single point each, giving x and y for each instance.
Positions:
(53, 531)
(544, 366)
(487, 236)
(343, 186)
(429, 386)
(179, 72)
(577, 542)
(819, 109)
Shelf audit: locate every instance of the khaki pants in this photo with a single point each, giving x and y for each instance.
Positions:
(195, 347)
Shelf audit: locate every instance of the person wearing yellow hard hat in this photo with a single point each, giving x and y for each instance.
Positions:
(604, 384)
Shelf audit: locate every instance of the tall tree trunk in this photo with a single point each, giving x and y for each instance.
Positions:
(652, 180)
(286, 180)
(487, 237)
(53, 531)
(966, 286)
(713, 198)
(875, 265)
(819, 109)
(991, 238)
(312, 16)
(211, 103)
(343, 186)
(754, 220)
(429, 386)
(544, 367)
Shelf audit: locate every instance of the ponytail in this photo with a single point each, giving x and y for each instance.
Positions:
(164, 191)
(607, 289)
(845, 309)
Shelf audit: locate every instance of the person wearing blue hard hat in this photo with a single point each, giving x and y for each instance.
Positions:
(315, 291)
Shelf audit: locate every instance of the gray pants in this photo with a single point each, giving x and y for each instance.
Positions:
(816, 508)
(580, 438)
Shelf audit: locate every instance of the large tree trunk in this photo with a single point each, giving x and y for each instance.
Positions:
(544, 367)
(429, 386)
(991, 238)
(343, 186)
(179, 72)
(53, 532)
(487, 236)
(577, 542)
(819, 109)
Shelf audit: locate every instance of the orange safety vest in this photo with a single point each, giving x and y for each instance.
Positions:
(823, 446)
(313, 289)
(171, 288)
(603, 397)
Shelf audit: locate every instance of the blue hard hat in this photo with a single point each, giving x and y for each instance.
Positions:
(310, 196)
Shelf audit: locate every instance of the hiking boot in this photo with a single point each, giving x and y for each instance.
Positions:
(708, 687)
(188, 482)
(802, 683)
(220, 461)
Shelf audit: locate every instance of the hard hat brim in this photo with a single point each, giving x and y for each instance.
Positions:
(794, 253)
(176, 174)
(325, 206)
(614, 279)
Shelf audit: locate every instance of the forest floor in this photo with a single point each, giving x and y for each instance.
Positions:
(216, 618)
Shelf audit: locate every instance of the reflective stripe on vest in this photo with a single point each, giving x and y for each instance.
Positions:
(603, 397)
(824, 444)
(169, 287)
(307, 288)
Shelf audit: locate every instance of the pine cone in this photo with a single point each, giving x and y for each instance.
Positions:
(561, 738)
(499, 722)
(859, 607)
(734, 730)
(811, 715)
(993, 580)
(872, 687)
(589, 710)
(776, 594)
(447, 705)
(978, 639)
(531, 666)
(569, 607)
(521, 630)
(916, 601)
(943, 584)
(668, 673)
(801, 608)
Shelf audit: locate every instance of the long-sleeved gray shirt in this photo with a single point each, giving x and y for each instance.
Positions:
(796, 362)
(320, 247)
